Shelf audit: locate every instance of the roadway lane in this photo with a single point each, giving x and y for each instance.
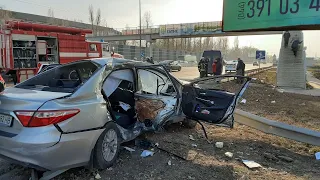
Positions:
(189, 73)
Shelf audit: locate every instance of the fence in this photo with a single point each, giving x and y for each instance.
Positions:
(131, 52)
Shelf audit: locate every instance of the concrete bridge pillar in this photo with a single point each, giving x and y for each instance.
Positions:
(291, 71)
(151, 47)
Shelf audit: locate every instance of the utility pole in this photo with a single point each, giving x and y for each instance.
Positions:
(140, 27)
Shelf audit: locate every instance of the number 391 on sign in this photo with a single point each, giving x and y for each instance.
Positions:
(257, 7)
(259, 14)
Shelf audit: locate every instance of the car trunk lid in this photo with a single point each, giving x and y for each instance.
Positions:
(15, 99)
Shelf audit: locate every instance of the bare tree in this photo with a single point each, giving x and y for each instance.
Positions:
(51, 16)
(50, 13)
(147, 19)
(91, 16)
(236, 43)
(98, 20)
(236, 47)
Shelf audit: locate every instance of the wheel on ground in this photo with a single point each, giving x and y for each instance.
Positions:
(189, 123)
(107, 147)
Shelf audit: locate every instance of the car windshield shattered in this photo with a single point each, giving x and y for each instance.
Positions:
(65, 79)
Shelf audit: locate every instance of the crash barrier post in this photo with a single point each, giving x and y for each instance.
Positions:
(278, 128)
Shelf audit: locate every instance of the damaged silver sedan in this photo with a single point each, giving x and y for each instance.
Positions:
(78, 114)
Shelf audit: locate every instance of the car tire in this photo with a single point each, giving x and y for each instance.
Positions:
(107, 147)
(189, 123)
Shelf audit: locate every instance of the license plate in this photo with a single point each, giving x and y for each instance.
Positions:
(5, 120)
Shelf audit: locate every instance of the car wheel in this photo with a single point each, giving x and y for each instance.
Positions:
(189, 123)
(107, 147)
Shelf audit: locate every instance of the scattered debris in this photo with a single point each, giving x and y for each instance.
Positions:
(317, 156)
(124, 106)
(129, 149)
(156, 144)
(169, 163)
(191, 138)
(97, 176)
(270, 156)
(273, 102)
(254, 79)
(146, 153)
(302, 104)
(143, 143)
(257, 100)
(241, 153)
(229, 154)
(219, 145)
(110, 169)
(174, 154)
(243, 101)
(285, 158)
(251, 164)
(190, 177)
(194, 145)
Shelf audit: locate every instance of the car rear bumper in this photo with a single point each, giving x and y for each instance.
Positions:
(72, 150)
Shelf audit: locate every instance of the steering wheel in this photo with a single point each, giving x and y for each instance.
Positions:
(73, 75)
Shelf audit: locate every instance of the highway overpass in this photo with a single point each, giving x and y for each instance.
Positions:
(153, 36)
(170, 31)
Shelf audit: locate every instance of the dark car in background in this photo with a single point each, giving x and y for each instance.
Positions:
(255, 63)
(171, 65)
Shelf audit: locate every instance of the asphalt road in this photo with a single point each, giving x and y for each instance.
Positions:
(189, 73)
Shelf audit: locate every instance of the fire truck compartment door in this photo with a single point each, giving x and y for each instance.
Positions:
(22, 37)
(42, 47)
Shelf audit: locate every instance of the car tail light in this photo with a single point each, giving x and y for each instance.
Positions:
(44, 118)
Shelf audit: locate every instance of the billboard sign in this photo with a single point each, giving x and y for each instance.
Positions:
(202, 28)
(170, 30)
(249, 15)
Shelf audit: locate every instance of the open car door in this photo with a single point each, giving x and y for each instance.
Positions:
(213, 100)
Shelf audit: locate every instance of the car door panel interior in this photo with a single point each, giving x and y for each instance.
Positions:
(206, 105)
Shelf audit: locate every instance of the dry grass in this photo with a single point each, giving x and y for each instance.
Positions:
(315, 70)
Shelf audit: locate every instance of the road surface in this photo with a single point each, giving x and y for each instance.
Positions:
(189, 73)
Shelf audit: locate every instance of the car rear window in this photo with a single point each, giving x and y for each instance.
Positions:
(66, 78)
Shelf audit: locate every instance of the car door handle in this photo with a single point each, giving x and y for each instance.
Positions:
(205, 101)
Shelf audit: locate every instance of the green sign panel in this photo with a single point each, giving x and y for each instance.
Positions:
(246, 15)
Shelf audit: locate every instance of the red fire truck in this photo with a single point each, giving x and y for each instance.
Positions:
(24, 46)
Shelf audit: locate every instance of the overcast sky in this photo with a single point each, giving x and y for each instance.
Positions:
(119, 13)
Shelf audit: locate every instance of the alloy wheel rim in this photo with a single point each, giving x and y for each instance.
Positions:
(109, 145)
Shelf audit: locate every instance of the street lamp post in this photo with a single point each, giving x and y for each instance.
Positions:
(140, 27)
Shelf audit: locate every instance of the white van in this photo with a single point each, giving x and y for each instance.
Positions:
(231, 66)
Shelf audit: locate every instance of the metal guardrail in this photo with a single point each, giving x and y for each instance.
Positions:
(274, 127)
(278, 128)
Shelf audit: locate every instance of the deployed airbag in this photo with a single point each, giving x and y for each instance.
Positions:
(114, 80)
